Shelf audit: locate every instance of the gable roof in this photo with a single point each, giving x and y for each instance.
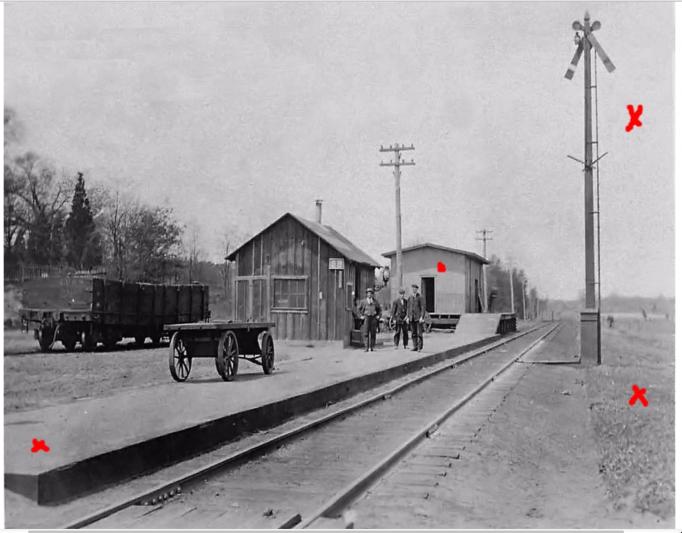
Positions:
(327, 234)
(472, 255)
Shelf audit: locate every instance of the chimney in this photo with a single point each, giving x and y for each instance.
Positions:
(318, 203)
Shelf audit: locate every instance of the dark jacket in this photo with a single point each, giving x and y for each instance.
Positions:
(415, 308)
(399, 309)
(369, 309)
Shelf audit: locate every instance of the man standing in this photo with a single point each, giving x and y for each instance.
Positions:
(370, 310)
(416, 310)
(399, 315)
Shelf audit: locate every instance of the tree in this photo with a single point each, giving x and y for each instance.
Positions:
(153, 244)
(37, 202)
(194, 251)
(83, 242)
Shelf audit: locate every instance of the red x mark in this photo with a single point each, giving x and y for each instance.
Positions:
(39, 444)
(638, 395)
(634, 116)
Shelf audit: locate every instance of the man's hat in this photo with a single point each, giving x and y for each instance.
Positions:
(415, 285)
(370, 289)
(401, 291)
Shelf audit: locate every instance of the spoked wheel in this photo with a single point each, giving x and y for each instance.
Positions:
(179, 360)
(227, 358)
(268, 354)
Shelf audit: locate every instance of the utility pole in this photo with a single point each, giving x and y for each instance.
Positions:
(485, 238)
(511, 286)
(396, 164)
(524, 298)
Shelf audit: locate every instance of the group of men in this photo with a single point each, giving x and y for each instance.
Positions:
(405, 312)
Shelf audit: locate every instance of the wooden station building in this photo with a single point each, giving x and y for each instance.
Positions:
(447, 294)
(303, 276)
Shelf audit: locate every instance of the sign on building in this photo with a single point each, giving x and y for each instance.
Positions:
(336, 263)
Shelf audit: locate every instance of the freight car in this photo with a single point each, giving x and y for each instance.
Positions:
(96, 310)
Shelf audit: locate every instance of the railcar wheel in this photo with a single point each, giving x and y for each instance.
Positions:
(179, 359)
(268, 354)
(45, 337)
(69, 343)
(227, 358)
(88, 342)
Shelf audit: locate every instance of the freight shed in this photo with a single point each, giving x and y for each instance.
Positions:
(302, 275)
(447, 294)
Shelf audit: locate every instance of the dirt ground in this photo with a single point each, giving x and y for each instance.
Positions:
(636, 443)
(34, 379)
(563, 449)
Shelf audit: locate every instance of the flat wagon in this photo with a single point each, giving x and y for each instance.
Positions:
(96, 310)
(226, 342)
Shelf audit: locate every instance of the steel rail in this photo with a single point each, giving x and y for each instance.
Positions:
(167, 489)
(332, 508)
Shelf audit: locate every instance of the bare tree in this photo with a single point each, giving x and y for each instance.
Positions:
(194, 250)
(35, 198)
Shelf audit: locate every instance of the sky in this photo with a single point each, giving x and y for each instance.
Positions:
(235, 113)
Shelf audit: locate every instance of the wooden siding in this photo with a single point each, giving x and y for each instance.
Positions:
(290, 249)
(454, 289)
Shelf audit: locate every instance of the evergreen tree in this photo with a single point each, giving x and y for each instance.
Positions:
(83, 243)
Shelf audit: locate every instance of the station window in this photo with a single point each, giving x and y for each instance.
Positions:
(289, 293)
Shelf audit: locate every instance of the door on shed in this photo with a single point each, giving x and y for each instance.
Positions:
(429, 294)
(252, 300)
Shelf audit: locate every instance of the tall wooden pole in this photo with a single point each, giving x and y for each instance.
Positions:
(589, 188)
(396, 164)
(485, 239)
(398, 228)
(511, 287)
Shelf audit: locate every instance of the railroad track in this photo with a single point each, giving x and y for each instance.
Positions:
(312, 471)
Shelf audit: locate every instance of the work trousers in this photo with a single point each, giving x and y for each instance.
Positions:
(400, 326)
(369, 331)
(416, 331)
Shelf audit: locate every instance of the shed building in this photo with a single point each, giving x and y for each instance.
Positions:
(456, 291)
(301, 275)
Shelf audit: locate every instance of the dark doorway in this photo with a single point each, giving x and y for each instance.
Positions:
(428, 292)
(479, 303)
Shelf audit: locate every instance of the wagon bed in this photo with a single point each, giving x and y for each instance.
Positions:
(226, 342)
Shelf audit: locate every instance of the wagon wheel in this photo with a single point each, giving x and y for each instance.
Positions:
(268, 353)
(45, 338)
(179, 360)
(227, 358)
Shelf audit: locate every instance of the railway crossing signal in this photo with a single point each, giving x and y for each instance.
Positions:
(590, 335)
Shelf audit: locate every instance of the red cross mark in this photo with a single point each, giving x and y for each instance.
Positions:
(634, 116)
(440, 266)
(638, 395)
(38, 445)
